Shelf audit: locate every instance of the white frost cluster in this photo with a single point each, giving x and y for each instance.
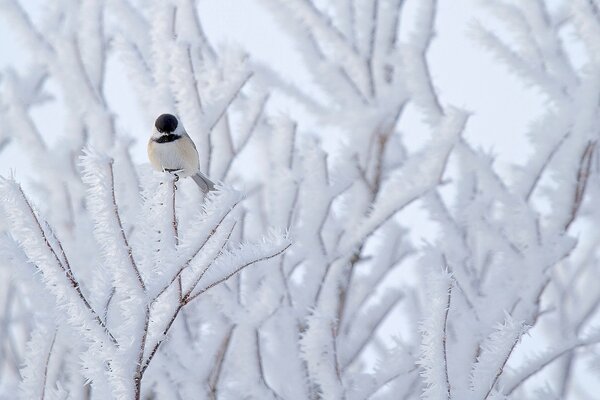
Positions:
(298, 278)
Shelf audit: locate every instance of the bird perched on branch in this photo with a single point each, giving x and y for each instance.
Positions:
(171, 149)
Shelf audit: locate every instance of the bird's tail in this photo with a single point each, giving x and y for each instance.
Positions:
(205, 184)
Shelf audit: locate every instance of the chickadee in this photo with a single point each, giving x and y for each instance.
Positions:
(171, 149)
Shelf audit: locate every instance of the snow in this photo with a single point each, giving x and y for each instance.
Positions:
(301, 275)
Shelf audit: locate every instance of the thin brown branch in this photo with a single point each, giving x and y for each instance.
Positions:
(350, 318)
(235, 272)
(197, 96)
(138, 373)
(583, 175)
(46, 365)
(230, 100)
(261, 369)
(246, 138)
(547, 360)
(107, 305)
(80, 67)
(346, 77)
(370, 56)
(253, 123)
(336, 358)
(159, 342)
(544, 165)
(375, 186)
(362, 173)
(372, 328)
(215, 373)
(180, 288)
(284, 281)
(411, 388)
(120, 224)
(199, 277)
(444, 342)
(501, 369)
(392, 40)
(231, 155)
(174, 222)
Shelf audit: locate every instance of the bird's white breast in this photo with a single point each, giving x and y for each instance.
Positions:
(179, 154)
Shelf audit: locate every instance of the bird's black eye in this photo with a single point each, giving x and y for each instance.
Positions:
(166, 123)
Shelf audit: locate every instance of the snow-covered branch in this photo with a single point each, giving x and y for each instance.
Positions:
(300, 276)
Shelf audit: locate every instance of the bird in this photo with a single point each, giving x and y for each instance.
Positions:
(171, 149)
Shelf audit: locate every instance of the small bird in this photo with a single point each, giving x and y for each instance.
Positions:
(171, 149)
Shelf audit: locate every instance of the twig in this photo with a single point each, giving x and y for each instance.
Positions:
(545, 164)
(236, 271)
(373, 287)
(193, 74)
(369, 61)
(230, 100)
(261, 369)
(137, 379)
(412, 386)
(336, 358)
(120, 223)
(372, 331)
(159, 342)
(501, 369)
(547, 360)
(199, 277)
(175, 225)
(246, 138)
(444, 340)
(107, 305)
(46, 364)
(80, 67)
(346, 76)
(215, 374)
(375, 186)
(583, 175)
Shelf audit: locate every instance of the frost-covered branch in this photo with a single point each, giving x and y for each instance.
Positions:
(160, 292)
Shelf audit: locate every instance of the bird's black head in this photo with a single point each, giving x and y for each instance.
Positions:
(166, 123)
